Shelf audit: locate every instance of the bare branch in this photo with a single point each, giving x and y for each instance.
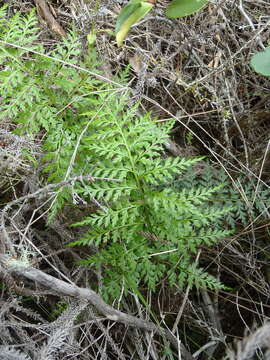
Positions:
(14, 267)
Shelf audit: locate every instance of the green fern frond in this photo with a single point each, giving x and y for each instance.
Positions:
(147, 228)
(142, 213)
(205, 237)
(3, 13)
(111, 192)
(159, 170)
(19, 30)
(201, 279)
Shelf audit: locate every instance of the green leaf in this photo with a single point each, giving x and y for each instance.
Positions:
(261, 62)
(130, 14)
(181, 8)
(126, 12)
(91, 38)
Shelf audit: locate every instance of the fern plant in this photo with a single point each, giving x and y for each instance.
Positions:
(144, 230)
(41, 88)
(44, 95)
(248, 199)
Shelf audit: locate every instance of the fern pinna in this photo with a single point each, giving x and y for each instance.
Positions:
(144, 230)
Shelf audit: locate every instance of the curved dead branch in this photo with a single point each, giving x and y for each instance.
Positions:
(13, 267)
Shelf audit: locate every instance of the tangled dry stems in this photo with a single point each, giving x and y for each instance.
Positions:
(196, 70)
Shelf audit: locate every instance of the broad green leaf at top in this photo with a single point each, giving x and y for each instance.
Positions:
(129, 15)
(181, 8)
(261, 62)
(126, 12)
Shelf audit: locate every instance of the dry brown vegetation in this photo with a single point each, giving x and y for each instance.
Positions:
(197, 71)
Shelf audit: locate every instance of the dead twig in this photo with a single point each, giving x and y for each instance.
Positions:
(45, 13)
(64, 289)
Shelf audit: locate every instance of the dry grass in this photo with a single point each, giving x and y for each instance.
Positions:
(195, 70)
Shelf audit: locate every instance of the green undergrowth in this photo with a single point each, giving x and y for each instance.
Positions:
(248, 197)
(145, 231)
(153, 214)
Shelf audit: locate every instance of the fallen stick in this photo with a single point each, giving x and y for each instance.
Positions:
(45, 13)
(20, 268)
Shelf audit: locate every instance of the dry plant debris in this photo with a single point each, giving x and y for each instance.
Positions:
(197, 71)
